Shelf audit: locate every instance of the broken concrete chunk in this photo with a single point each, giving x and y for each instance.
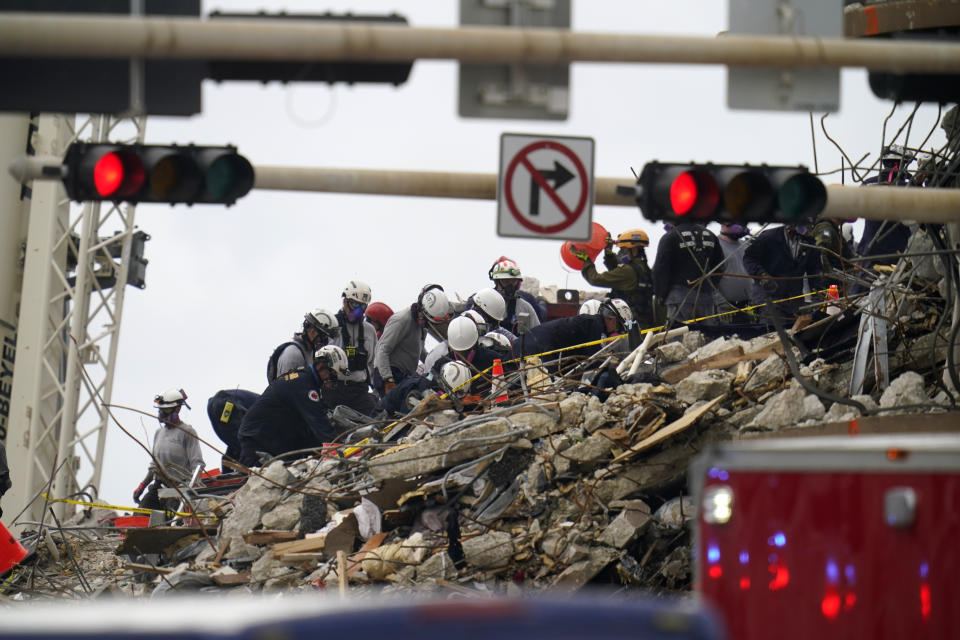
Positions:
(577, 575)
(720, 345)
(539, 423)
(693, 340)
(813, 408)
(908, 389)
(675, 513)
(626, 527)
(704, 385)
(596, 448)
(490, 550)
(671, 352)
(571, 409)
(439, 566)
(771, 370)
(438, 453)
(285, 516)
(782, 410)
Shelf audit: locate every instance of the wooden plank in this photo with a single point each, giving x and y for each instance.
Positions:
(231, 579)
(297, 546)
(722, 360)
(671, 429)
(271, 536)
(300, 557)
(356, 559)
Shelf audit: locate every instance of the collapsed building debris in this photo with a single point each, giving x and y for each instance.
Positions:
(562, 486)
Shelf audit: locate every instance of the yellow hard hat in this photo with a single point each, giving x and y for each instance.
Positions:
(633, 238)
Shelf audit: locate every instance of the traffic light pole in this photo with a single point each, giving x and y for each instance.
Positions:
(110, 36)
(872, 202)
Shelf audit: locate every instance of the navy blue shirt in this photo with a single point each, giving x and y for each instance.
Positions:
(564, 332)
(289, 415)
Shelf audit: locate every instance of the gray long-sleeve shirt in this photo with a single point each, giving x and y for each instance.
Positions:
(400, 345)
(177, 450)
(369, 345)
(734, 289)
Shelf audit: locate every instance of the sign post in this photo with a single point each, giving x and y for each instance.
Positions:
(545, 187)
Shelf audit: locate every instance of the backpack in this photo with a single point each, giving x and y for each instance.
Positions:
(275, 358)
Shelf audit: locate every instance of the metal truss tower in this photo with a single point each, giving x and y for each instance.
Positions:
(77, 261)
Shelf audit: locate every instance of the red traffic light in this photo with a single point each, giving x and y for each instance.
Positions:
(729, 193)
(155, 173)
(118, 174)
(694, 194)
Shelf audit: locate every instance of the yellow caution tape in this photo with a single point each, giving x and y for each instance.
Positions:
(114, 507)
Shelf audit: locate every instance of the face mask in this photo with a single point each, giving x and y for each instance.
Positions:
(734, 231)
(355, 314)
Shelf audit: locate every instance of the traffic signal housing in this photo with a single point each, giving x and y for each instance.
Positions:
(690, 192)
(154, 173)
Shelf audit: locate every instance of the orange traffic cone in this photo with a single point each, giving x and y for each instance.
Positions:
(499, 391)
(11, 551)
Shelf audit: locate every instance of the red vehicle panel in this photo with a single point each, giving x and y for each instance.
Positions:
(832, 537)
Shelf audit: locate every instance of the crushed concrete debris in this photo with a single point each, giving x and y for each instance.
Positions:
(560, 488)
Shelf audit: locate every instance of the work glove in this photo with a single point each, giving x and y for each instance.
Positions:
(580, 254)
(770, 286)
(138, 492)
(389, 386)
(610, 242)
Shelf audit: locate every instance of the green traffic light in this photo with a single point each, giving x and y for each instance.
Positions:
(802, 197)
(228, 177)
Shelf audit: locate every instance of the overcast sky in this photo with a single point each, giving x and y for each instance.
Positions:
(226, 285)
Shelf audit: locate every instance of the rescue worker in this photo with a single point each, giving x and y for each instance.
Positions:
(400, 348)
(5, 482)
(455, 376)
(614, 318)
(176, 453)
(628, 275)
(226, 409)
(291, 414)
(520, 315)
(358, 339)
(687, 253)
(886, 237)
(491, 305)
(318, 327)
(781, 259)
(734, 288)
(377, 314)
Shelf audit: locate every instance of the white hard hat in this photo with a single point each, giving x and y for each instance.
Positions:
(477, 317)
(495, 340)
(170, 398)
(462, 333)
(590, 308)
(434, 304)
(357, 291)
(504, 269)
(334, 357)
(617, 308)
(321, 320)
(457, 376)
(491, 303)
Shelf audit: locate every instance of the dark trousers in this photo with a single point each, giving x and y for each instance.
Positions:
(352, 394)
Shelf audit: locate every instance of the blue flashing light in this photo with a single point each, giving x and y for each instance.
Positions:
(833, 571)
(724, 475)
(773, 558)
(779, 539)
(713, 473)
(744, 557)
(851, 574)
(713, 553)
(924, 570)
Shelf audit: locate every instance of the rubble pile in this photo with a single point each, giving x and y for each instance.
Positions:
(562, 486)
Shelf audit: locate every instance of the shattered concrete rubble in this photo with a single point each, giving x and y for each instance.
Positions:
(564, 487)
